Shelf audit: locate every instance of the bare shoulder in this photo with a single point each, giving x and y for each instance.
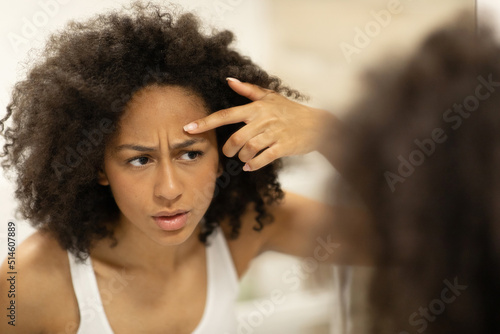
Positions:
(251, 242)
(41, 290)
(297, 222)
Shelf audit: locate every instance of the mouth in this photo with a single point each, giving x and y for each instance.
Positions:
(171, 221)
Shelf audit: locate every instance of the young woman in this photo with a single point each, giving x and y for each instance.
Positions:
(121, 192)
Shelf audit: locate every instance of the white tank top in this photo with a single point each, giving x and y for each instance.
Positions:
(222, 291)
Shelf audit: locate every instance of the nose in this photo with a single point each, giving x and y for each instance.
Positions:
(168, 185)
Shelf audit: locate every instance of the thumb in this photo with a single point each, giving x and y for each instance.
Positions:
(248, 90)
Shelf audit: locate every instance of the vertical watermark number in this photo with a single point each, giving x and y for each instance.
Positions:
(11, 273)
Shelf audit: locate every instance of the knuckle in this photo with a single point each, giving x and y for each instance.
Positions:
(252, 145)
(242, 156)
(224, 113)
(236, 139)
(273, 120)
(272, 154)
(258, 105)
(202, 123)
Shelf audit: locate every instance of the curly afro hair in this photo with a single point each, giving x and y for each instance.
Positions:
(424, 155)
(67, 109)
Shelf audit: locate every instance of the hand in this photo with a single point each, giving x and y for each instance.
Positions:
(275, 125)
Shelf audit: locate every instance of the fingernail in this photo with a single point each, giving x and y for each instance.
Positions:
(190, 126)
(246, 168)
(232, 79)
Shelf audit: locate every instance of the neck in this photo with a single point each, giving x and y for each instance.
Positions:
(135, 251)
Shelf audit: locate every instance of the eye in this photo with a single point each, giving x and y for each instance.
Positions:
(138, 162)
(191, 155)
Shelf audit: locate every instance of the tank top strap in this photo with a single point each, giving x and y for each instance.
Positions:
(92, 317)
(222, 262)
(222, 288)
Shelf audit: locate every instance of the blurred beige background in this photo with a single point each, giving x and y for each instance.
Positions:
(317, 46)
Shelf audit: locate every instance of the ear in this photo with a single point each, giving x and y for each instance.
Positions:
(102, 179)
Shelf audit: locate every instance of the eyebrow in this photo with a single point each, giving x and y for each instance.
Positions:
(141, 148)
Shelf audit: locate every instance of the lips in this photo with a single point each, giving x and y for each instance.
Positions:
(171, 221)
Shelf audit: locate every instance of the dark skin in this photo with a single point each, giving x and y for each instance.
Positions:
(150, 291)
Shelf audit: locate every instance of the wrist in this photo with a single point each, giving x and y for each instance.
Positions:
(330, 136)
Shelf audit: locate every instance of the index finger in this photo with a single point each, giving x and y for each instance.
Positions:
(218, 118)
(230, 115)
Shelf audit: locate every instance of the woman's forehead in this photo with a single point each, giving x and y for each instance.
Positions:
(163, 103)
(167, 98)
(160, 111)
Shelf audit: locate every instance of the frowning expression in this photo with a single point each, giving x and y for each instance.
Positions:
(161, 177)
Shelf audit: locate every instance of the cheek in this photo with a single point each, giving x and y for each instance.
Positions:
(126, 192)
(203, 185)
